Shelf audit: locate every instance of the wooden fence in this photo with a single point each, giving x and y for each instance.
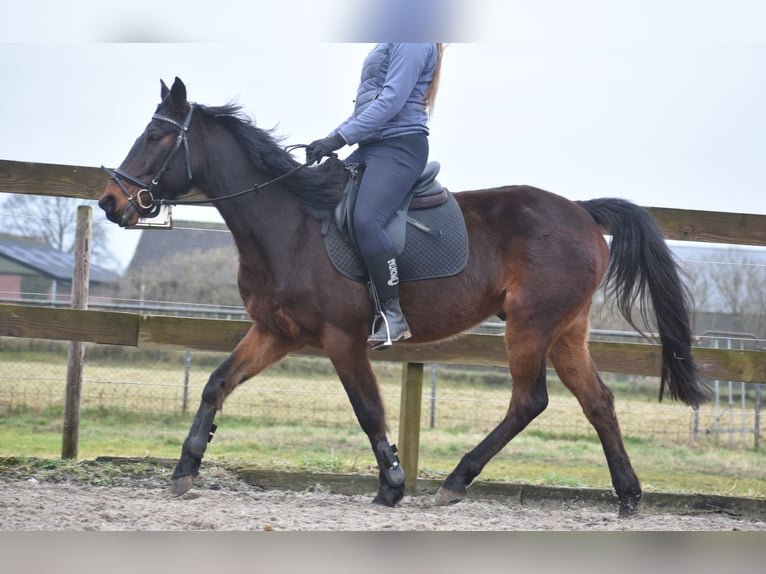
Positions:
(148, 331)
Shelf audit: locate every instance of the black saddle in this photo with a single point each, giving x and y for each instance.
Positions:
(437, 246)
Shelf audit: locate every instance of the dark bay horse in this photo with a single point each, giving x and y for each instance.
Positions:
(535, 259)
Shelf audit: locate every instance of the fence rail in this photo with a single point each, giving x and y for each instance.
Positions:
(84, 182)
(160, 332)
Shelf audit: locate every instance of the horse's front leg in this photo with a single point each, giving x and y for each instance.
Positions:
(390, 474)
(349, 357)
(256, 351)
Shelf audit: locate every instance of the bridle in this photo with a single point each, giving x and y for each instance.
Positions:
(144, 202)
(144, 198)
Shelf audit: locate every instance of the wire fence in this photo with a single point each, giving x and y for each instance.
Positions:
(305, 391)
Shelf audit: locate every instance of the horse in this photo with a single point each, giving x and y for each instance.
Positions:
(535, 259)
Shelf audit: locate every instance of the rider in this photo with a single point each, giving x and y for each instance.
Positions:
(394, 100)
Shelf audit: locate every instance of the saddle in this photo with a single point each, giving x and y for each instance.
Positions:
(437, 246)
(427, 192)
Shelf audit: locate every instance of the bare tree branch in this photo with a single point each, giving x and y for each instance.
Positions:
(52, 220)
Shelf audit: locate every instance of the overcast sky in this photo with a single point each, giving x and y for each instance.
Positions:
(661, 103)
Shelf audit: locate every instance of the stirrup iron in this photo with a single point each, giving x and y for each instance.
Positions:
(382, 345)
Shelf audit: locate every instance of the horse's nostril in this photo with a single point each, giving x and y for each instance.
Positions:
(106, 203)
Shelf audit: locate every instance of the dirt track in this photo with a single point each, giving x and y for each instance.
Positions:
(222, 501)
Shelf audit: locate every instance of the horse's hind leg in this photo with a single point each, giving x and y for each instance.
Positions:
(526, 350)
(256, 351)
(573, 363)
(349, 357)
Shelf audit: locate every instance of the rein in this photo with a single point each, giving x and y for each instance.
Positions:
(144, 199)
(251, 189)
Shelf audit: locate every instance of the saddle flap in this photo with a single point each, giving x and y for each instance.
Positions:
(345, 207)
(340, 215)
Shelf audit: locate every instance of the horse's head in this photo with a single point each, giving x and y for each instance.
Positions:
(158, 165)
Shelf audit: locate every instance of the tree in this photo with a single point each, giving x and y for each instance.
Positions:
(52, 220)
(727, 289)
(732, 284)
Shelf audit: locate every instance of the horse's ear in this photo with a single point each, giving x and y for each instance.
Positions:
(164, 91)
(178, 95)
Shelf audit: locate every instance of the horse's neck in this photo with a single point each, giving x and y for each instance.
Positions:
(262, 222)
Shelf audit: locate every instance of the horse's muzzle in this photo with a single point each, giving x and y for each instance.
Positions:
(109, 204)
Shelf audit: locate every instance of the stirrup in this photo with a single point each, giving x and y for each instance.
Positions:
(380, 345)
(380, 316)
(385, 344)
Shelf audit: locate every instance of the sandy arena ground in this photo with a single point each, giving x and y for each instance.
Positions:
(223, 502)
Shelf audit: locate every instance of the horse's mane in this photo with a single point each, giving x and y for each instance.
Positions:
(318, 189)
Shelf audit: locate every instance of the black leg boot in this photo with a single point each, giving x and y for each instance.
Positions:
(392, 326)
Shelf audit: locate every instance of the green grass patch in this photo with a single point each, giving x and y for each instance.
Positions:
(296, 417)
(532, 458)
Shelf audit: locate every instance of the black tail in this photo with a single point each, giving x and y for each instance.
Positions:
(643, 269)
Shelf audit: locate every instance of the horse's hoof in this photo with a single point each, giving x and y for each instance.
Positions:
(180, 485)
(380, 501)
(446, 496)
(629, 508)
(389, 498)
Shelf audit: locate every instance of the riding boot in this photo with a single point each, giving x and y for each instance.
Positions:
(391, 327)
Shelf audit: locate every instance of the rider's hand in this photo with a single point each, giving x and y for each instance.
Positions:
(318, 149)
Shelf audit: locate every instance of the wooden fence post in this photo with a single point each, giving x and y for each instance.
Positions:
(409, 422)
(75, 358)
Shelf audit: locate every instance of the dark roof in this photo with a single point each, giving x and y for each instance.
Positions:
(47, 261)
(155, 245)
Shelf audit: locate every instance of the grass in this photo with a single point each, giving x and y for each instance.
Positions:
(531, 458)
(298, 418)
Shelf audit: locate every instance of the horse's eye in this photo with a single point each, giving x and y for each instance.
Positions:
(152, 137)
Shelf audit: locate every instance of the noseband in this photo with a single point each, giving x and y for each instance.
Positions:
(143, 201)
